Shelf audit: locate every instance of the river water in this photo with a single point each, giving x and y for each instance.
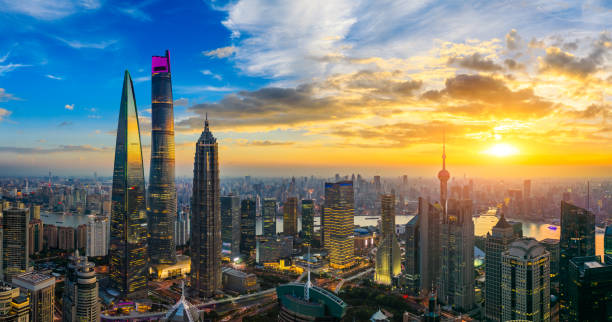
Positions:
(482, 225)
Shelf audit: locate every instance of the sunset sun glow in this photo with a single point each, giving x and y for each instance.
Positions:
(502, 150)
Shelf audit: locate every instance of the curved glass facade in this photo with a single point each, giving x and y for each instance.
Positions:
(128, 246)
(161, 208)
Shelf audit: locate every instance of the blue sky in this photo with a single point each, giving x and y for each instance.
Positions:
(293, 87)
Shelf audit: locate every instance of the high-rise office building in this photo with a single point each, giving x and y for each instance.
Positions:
(525, 282)
(577, 240)
(230, 222)
(65, 238)
(80, 299)
(429, 245)
(339, 223)
(268, 217)
(13, 306)
(35, 236)
(412, 262)
(97, 237)
(181, 229)
(15, 261)
(589, 292)
(456, 283)
(35, 212)
(161, 205)
(40, 288)
(496, 243)
(128, 245)
(248, 222)
(307, 221)
(608, 240)
(290, 217)
(81, 237)
(552, 246)
(388, 256)
(206, 240)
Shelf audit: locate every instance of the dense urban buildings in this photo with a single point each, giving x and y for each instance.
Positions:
(206, 217)
(307, 221)
(35, 233)
(161, 203)
(230, 223)
(15, 259)
(423, 248)
(290, 217)
(40, 289)
(608, 240)
(577, 240)
(13, 306)
(525, 284)
(268, 217)
(338, 223)
(128, 244)
(589, 293)
(388, 255)
(181, 229)
(248, 222)
(496, 243)
(80, 300)
(456, 283)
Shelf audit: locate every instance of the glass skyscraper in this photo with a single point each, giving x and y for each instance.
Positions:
(206, 217)
(388, 257)
(577, 240)
(128, 245)
(290, 217)
(339, 223)
(14, 249)
(230, 223)
(248, 221)
(307, 221)
(268, 215)
(161, 208)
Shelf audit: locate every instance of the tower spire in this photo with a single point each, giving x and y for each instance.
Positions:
(206, 122)
(444, 149)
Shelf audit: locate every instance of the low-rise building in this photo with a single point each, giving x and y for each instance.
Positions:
(238, 281)
(181, 268)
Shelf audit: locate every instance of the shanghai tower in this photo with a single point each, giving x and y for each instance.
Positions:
(161, 208)
(206, 217)
(128, 244)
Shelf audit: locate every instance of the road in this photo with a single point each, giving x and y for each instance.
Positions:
(339, 286)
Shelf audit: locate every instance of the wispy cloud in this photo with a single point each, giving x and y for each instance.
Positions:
(10, 67)
(4, 113)
(64, 124)
(136, 13)
(48, 10)
(69, 107)
(222, 52)
(77, 44)
(141, 79)
(202, 89)
(4, 96)
(211, 74)
(58, 149)
(181, 102)
(54, 77)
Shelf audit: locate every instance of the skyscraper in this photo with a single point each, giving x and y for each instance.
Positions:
(40, 288)
(161, 206)
(456, 284)
(590, 289)
(608, 240)
(290, 217)
(248, 222)
(525, 285)
(495, 244)
(307, 221)
(230, 222)
(577, 240)
(339, 223)
(97, 237)
(206, 217)
(428, 218)
(15, 222)
(388, 256)
(81, 301)
(268, 216)
(13, 306)
(128, 245)
(413, 256)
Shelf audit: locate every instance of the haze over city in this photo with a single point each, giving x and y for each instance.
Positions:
(300, 88)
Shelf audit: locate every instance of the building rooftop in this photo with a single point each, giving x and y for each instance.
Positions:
(526, 248)
(34, 280)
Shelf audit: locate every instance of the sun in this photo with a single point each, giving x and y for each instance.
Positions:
(502, 150)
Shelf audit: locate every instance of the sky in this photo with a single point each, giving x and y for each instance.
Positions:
(518, 88)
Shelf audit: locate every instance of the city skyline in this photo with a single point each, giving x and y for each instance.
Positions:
(379, 111)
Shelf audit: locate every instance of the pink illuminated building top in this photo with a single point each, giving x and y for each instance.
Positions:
(160, 64)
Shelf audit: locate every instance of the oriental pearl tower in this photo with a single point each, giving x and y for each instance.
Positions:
(443, 176)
